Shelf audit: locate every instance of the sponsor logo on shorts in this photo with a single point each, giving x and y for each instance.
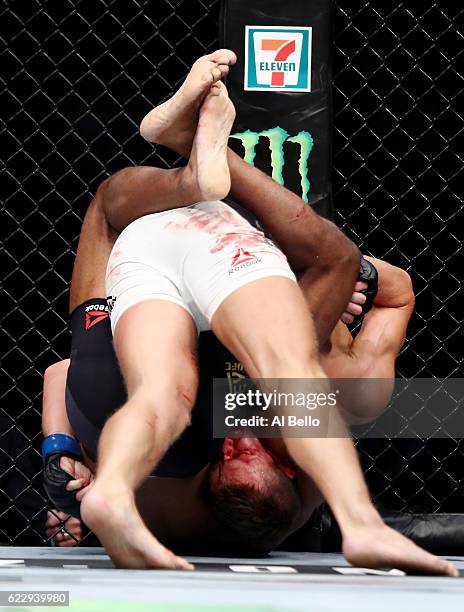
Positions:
(278, 58)
(95, 313)
(97, 308)
(243, 259)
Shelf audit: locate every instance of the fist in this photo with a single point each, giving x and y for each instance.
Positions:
(63, 529)
(83, 477)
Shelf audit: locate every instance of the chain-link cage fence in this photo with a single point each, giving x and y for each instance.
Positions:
(78, 76)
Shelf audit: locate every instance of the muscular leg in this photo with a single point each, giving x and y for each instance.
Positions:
(155, 342)
(292, 352)
(317, 250)
(324, 259)
(137, 191)
(242, 323)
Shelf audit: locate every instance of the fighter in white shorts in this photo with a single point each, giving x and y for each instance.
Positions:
(181, 271)
(194, 256)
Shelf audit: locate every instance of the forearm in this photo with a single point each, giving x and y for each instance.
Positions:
(54, 417)
(306, 238)
(141, 190)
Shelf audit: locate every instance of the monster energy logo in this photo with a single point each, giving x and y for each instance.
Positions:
(277, 137)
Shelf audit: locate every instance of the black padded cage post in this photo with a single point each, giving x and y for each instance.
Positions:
(78, 76)
(282, 89)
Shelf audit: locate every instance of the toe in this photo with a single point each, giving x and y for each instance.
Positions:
(450, 569)
(184, 564)
(217, 74)
(222, 89)
(224, 69)
(223, 56)
(175, 562)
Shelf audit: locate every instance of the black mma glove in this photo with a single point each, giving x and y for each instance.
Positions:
(367, 274)
(55, 478)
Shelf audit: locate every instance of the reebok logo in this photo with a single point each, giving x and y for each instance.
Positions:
(95, 313)
(243, 259)
(241, 256)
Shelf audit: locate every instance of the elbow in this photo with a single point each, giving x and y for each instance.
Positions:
(333, 250)
(54, 378)
(114, 201)
(55, 371)
(408, 289)
(404, 290)
(344, 254)
(351, 257)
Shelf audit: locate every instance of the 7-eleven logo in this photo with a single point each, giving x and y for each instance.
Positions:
(283, 50)
(278, 58)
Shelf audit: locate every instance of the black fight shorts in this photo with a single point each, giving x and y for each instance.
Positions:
(95, 390)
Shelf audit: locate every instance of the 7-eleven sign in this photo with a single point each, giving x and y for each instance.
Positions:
(278, 58)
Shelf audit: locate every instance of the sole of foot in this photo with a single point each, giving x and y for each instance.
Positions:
(208, 158)
(169, 123)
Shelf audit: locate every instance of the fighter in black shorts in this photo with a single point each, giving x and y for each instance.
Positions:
(320, 255)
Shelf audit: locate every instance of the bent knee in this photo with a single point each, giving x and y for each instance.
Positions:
(337, 249)
(58, 369)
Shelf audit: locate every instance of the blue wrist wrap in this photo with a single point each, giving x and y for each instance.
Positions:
(61, 443)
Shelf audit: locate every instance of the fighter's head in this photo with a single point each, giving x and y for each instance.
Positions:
(254, 495)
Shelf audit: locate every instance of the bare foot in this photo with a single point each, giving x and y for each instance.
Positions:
(173, 123)
(120, 529)
(380, 546)
(208, 158)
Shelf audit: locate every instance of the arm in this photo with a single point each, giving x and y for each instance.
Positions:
(383, 331)
(324, 259)
(63, 473)
(54, 417)
(141, 190)
(372, 354)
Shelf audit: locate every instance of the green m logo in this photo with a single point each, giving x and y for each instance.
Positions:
(277, 137)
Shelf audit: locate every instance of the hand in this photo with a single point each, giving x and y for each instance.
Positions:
(63, 478)
(354, 306)
(83, 477)
(63, 529)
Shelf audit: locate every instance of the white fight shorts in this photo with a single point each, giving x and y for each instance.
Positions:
(194, 257)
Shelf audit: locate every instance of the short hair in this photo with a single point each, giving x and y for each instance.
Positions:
(255, 520)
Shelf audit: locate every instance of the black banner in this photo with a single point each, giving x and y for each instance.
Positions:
(281, 87)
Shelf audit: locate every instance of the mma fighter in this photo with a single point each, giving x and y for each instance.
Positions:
(148, 326)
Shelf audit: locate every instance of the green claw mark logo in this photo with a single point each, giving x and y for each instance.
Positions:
(277, 137)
